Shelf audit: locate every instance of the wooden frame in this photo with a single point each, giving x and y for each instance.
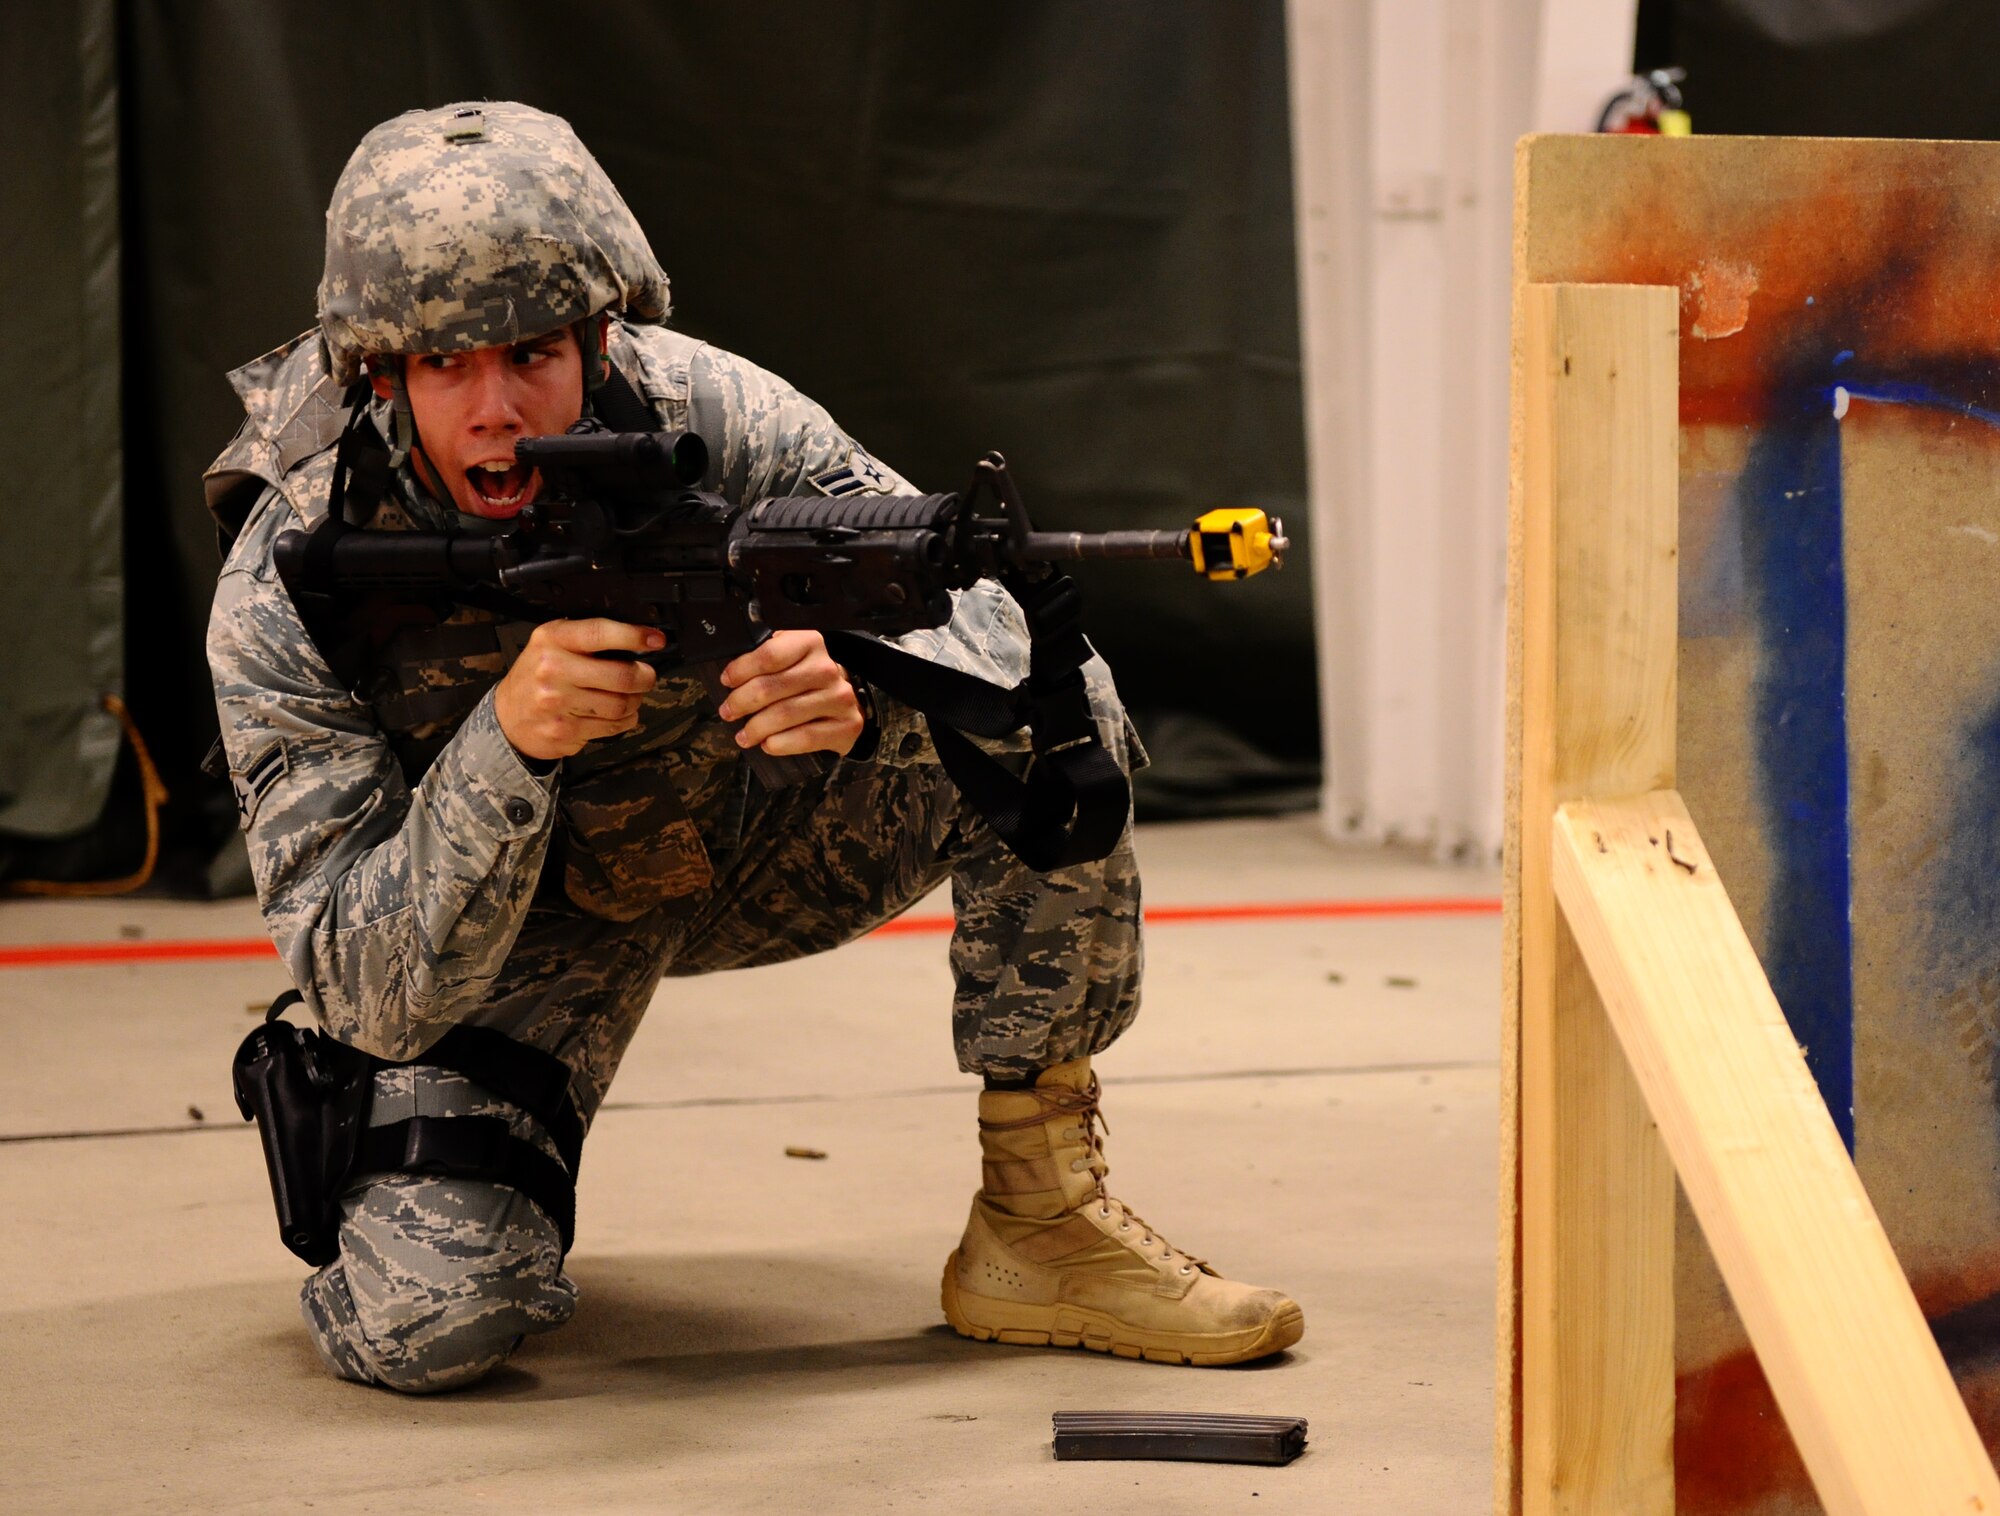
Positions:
(1639, 1022)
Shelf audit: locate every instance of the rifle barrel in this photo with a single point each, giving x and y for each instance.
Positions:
(1063, 547)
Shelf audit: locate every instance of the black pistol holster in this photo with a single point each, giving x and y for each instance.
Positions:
(310, 1097)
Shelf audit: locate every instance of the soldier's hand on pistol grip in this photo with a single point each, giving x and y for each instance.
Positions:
(559, 695)
(797, 699)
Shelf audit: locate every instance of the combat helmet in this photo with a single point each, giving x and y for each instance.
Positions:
(473, 225)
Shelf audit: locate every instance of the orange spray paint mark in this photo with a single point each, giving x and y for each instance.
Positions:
(1716, 298)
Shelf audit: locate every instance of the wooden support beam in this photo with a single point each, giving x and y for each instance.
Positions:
(1587, 1405)
(1863, 1387)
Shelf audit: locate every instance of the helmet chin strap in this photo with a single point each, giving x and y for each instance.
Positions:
(591, 345)
(403, 428)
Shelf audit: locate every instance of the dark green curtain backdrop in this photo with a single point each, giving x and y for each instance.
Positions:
(1063, 231)
(60, 615)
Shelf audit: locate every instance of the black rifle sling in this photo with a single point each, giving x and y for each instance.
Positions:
(342, 627)
(618, 405)
(1072, 806)
(361, 472)
(946, 696)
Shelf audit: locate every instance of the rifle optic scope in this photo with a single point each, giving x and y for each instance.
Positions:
(601, 460)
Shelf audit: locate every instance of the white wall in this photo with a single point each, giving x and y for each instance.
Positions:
(1404, 117)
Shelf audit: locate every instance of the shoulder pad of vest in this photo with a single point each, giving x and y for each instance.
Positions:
(293, 410)
(655, 359)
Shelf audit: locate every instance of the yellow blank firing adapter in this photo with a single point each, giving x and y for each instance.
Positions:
(1232, 544)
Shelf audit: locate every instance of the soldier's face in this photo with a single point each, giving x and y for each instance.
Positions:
(471, 408)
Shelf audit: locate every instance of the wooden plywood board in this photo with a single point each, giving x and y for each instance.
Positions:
(1839, 702)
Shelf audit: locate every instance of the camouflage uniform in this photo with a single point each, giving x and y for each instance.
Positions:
(548, 907)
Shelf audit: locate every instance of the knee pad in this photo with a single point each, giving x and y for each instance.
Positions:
(438, 1282)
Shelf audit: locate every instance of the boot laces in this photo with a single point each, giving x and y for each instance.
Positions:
(1110, 1205)
(1093, 1128)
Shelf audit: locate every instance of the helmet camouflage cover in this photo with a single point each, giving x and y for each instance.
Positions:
(473, 225)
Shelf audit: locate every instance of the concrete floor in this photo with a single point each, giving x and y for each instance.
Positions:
(1308, 1103)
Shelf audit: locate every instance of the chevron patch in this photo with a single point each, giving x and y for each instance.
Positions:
(860, 474)
(254, 783)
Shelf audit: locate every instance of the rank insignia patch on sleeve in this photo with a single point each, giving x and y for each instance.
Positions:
(860, 474)
(254, 783)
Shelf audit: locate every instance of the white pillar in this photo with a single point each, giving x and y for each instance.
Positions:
(1327, 46)
(1404, 116)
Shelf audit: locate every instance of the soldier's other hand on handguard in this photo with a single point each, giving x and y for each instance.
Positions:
(560, 694)
(797, 699)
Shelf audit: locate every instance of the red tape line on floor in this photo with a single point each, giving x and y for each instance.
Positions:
(76, 954)
(1283, 910)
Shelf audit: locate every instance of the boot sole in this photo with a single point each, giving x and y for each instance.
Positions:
(1071, 1326)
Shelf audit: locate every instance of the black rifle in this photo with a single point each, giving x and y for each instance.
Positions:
(619, 531)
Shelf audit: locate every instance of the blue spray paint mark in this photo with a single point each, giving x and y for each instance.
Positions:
(1790, 509)
(1921, 395)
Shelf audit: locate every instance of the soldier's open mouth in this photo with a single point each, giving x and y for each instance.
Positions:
(500, 484)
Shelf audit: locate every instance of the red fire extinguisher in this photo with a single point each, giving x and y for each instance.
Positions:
(1650, 105)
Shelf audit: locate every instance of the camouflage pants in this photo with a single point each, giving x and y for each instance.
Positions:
(439, 1279)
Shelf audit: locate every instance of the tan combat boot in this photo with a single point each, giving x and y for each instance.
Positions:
(1050, 1259)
